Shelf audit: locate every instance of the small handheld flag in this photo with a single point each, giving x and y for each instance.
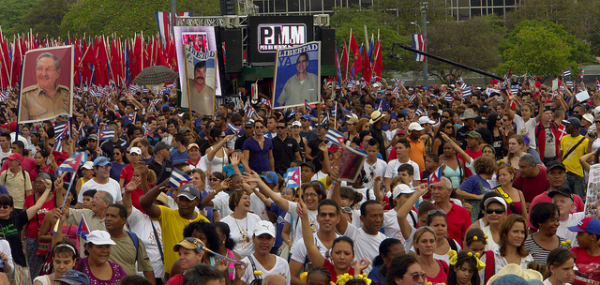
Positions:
(436, 176)
(580, 75)
(106, 134)
(566, 73)
(335, 137)
(82, 230)
(292, 178)
(178, 178)
(232, 127)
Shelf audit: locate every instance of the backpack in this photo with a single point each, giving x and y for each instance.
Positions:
(136, 243)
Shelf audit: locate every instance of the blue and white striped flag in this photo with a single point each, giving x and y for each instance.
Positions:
(566, 73)
(449, 98)
(307, 106)
(570, 83)
(412, 97)
(62, 129)
(268, 135)
(58, 144)
(335, 137)
(178, 178)
(418, 113)
(514, 90)
(464, 86)
(325, 119)
(133, 88)
(72, 163)
(597, 84)
(292, 177)
(334, 111)
(232, 127)
(106, 134)
(466, 93)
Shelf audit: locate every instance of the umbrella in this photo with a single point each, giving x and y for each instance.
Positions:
(155, 75)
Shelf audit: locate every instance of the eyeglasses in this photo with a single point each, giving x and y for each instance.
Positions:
(310, 195)
(497, 211)
(417, 276)
(5, 206)
(281, 127)
(448, 127)
(214, 179)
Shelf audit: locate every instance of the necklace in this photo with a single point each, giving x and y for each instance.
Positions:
(243, 235)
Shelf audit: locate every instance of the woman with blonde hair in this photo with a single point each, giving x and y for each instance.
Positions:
(147, 179)
(511, 249)
(425, 243)
(505, 175)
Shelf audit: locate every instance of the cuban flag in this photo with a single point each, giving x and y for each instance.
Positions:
(251, 113)
(268, 135)
(466, 92)
(464, 86)
(61, 130)
(449, 98)
(489, 91)
(164, 24)
(72, 163)
(4, 96)
(58, 144)
(569, 83)
(580, 75)
(335, 137)
(334, 111)
(597, 84)
(436, 176)
(292, 177)
(178, 178)
(514, 90)
(233, 128)
(325, 119)
(82, 230)
(307, 106)
(133, 88)
(566, 73)
(419, 44)
(418, 113)
(106, 134)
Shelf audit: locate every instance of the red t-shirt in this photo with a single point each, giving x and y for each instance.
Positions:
(588, 267)
(459, 220)
(33, 228)
(532, 187)
(331, 270)
(127, 173)
(442, 275)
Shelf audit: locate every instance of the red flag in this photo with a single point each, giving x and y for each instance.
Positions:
(366, 73)
(344, 62)
(356, 51)
(378, 61)
(17, 62)
(89, 57)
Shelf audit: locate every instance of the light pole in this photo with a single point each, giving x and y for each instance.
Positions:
(173, 13)
(424, 14)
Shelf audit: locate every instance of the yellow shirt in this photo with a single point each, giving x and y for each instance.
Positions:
(572, 161)
(172, 225)
(16, 184)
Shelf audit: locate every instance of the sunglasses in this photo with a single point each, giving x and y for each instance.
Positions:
(597, 122)
(214, 179)
(281, 127)
(198, 244)
(417, 276)
(492, 211)
(5, 206)
(347, 210)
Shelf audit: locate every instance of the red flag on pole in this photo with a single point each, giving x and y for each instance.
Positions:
(366, 72)
(344, 62)
(356, 51)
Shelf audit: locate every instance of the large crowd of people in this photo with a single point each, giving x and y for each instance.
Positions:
(479, 187)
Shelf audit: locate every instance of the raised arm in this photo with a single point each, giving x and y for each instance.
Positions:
(342, 226)
(218, 147)
(147, 201)
(403, 211)
(31, 211)
(584, 158)
(314, 255)
(264, 189)
(457, 148)
(129, 188)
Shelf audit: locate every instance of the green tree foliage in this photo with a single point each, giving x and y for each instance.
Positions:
(541, 48)
(126, 17)
(580, 18)
(44, 18)
(473, 43)
(11, 13)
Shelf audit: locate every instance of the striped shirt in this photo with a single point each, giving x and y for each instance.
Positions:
(540, 254)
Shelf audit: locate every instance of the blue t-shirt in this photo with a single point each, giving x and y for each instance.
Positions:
(228, 169)
(209, 210)
(115, 170)
(279, 224)
(374, 275)
(259, 158)
(146, 161)
(177, 156)
(472, 185)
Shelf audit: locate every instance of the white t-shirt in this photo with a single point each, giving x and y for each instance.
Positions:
(221, 203)
(296, 223)
(391, 228)
(364, 191)
(528, 128)
(365, 245)
(241, 231)
(563, 230)
(300, 254)
(5, 247)
(141, 225)
(4, 155)
(258, 207)
(111, 187)
(547, 282)
(392, 169)
(378, 168)
(281, 267)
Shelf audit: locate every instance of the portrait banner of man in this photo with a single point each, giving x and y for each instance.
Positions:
(200, 75)
(47, 84)
(297, 75)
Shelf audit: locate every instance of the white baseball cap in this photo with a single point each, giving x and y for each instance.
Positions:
(296, 124)
(98, 237)
(402, 189)
(88, 165)
(415, 127)
(135, 150)
(265, 227)
(426, 120)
